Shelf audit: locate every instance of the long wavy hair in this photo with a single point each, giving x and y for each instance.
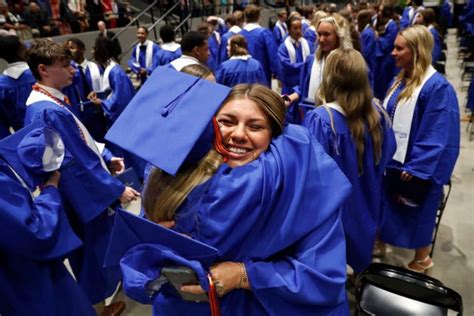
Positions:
(420, 42)
(165, 193)
(341, 29)
(345, 81)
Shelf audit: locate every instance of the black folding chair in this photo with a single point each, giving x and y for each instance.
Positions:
(439, 215)
(383, 289)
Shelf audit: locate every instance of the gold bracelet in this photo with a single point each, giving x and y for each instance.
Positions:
(244, 281)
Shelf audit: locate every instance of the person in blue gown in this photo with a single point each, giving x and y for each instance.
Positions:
(368, 42)
(292, 55)
(235, 22)
(272, 258)
(424, 110)
(15, 85)
(117, 89)
(213, 42)
(261, 43)
(88, 77)
(385, 70)
(310, 34)
(35, 235)
(87, 186)
(350, 124)
(427, 17)
(170, 50)
(141, 60)
(410, 13)
(241, 67)
(280, 30)
(331, 35)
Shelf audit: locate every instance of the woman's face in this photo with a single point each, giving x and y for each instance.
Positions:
(327, 37)
(419, 19)
(402, 53)
(245, 131)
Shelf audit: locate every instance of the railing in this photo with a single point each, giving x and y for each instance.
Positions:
(152, 27)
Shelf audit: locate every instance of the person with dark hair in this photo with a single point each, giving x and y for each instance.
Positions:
(87, 80)
(104, 32)
(194, 49)
(410, 13)
(385, 69)
(141, 61)
(170, 50)
(234, 23)
(261, 43)
(88, 186)
(280, 30)
(427, 17)
(116, 88)
(241, 67)
(15, 85)
(292, 55)
(368, 41)
(213, 41)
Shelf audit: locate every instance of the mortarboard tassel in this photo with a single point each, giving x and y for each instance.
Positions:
(218, 144)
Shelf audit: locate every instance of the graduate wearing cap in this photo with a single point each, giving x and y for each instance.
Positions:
(268, 210)
(15, 85)
(87, 187)
(35, 235)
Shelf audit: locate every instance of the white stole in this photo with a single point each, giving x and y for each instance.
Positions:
(15, 70)
(95, 76)
(218, 37)
(148, 53)
(403, 117)
(292, 51)
(36, 96)
(241, 57)
(251, 26)
(183, 61)
(315, 78)
(171, 46)
(235, 29)
(336, 106)
(105, 77)
(280, 27)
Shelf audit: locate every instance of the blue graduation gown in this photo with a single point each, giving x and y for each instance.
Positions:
(262, 46)
(436, 52)
(368, 45)
(405, 19)
(136, 65)
(121, 92)
(164, 57)
(223, 46)
(433, 148)
(361, 211)
(213, 61)
(34, 239)
(278, 36)
(13, 95)
(75, 93)
(88, 191)
(263, 214)
(235, 71)
(385, 68)
(290, 72)
(312, 38)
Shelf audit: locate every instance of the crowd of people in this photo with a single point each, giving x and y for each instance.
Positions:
(35, 19)
(293, 153)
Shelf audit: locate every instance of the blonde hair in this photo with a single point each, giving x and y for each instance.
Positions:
(340, 27)
(318, 15)
(420, 41)
(165, 193)
(345, 81)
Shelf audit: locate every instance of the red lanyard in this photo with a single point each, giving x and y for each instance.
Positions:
(60, 102)
(213, 300)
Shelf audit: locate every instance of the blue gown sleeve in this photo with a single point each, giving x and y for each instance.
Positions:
(436, 143)
(385, 41)
(36, 229)
(309, 281)
(122, 93)
(156, 48)
(107, 155)
(288, 70)
(272, 54)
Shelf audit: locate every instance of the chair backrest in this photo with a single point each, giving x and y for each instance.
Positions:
(388, 290)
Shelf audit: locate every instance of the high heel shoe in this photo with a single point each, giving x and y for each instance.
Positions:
(420, 266)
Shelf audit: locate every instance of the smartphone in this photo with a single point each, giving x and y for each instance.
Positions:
(179, 276)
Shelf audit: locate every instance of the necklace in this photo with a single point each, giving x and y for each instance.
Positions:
(392, 113)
